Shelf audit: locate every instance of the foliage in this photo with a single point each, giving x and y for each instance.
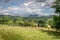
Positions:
(56, 5)
(41, 23)
(50, 22)
(56, 22)
(22, 21)
(56, 18)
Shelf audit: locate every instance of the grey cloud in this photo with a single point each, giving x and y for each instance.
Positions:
(41, 0)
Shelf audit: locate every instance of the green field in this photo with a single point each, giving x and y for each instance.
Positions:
(26, 33)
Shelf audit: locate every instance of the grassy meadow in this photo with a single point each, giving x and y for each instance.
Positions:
(26, 33)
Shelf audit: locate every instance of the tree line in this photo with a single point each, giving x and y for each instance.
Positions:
(30, 22)
(20, 21)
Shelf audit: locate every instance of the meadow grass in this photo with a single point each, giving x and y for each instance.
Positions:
(26, 33)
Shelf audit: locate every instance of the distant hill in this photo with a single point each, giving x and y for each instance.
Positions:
(30, 16)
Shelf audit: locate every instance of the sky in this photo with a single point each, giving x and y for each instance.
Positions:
(26, 7)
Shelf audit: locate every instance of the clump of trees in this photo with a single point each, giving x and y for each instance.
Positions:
(56, 18)
(55, 21)
(20, 21)
(41, 23)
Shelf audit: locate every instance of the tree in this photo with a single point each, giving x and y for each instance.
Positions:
(0, 20)
(4, 19)
(20, 23)
(26, 24)
(56, 18)
(56, 22)
(50, 22)
(33, 24)
(41, 23)
(10, 22)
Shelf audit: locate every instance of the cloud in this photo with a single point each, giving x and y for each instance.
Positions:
(22, 11)
(28, 3)
(41, 0)
(35, 4)
(27, 7)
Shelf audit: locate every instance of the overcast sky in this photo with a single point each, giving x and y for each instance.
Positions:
(25, 7)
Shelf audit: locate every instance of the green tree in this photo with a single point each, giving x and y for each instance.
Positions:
(10, 22)
(33, 24)
(27, 24)
(0, 20)
(5, 19)
(41, 23)
(20, 23)
(56, 18)
(50, 22)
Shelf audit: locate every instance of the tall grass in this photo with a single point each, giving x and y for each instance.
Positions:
(23, 33)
